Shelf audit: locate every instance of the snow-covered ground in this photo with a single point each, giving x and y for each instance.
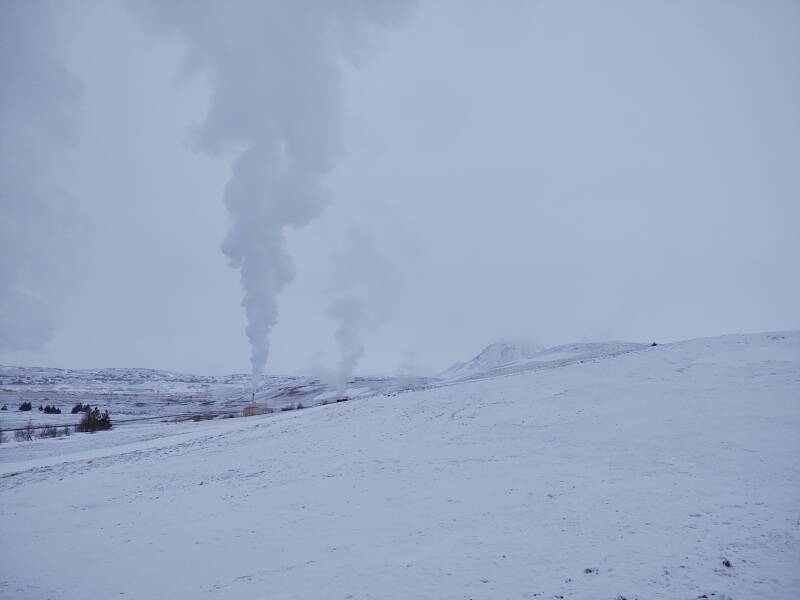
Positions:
(629, 474)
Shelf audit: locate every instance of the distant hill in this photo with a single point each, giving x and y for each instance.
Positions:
(506, 357)
(494, 355)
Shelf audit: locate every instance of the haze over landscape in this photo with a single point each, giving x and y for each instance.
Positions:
(397, 299)
(539, 172)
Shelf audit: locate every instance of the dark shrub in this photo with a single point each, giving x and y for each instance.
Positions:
(25, 434)
(52, 410)
(66, 431)
(93, 420)
(41, 408)
(25, 406)
(79, 408)
(4, 407)
(50, 431)
(203, 417)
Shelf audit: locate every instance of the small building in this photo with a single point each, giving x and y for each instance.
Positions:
(255, 409)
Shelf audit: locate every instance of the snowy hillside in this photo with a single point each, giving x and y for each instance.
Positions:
(503, 358)
(133, 394)
(493, 356)
(636, 474)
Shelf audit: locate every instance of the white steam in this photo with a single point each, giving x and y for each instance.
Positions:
(364, 283)
(39, 100)
(351, 319)
(275, 70)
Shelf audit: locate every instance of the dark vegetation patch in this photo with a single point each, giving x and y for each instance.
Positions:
(48, 431)
(94, 420)
(25, 434)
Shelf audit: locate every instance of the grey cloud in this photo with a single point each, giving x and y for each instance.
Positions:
(542, 171)
(39, 101)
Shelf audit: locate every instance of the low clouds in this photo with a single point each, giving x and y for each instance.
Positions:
(548, 171)
(39, 104)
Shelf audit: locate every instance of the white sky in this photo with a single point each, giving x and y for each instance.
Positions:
(550, 172)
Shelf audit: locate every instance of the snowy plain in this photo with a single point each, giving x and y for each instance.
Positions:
(626, 475)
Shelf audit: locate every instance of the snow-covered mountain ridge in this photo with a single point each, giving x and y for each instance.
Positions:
(492, 356)
(506, 357)
(11, 375)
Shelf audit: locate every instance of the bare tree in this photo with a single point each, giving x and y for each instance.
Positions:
(49, 431)
(25, 434)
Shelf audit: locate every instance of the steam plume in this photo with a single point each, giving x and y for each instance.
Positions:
(364, 282)
(350, 317)
(275, 69)
(38, 102)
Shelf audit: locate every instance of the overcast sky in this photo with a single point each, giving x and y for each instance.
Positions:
(541, 171)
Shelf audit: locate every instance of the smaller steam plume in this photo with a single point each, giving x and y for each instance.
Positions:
(351, 319)
(364, 285)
